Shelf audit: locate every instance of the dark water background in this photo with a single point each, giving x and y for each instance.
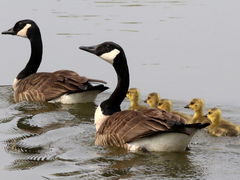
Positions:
(179, 48)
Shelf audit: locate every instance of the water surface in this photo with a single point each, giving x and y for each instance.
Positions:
(53, 141)
(178, 48)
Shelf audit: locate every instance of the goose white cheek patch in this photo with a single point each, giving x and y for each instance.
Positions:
(23, 32)
(110, 56)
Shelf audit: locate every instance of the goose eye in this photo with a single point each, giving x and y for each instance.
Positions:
(21, 25)
(108, 47)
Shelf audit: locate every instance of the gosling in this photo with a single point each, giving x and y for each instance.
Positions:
(133, 96)
(219, 126)
(197, 106)
(153, 100)
(166, 105)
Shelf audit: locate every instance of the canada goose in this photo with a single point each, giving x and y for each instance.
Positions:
(166, 105)
(149, 130)
(133, 96)
(219, 126)
(153, 99)
(197, 106)
(62, 86)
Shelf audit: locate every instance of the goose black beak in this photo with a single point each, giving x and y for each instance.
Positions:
(90, 49)
(10, 31)
(187, 107)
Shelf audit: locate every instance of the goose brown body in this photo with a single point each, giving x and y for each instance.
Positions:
(46, 86)
(127, 126)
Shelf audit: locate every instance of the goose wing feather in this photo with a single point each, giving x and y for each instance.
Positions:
(47, 86)
(132, 125)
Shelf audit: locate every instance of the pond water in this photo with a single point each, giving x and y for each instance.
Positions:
(179, 48)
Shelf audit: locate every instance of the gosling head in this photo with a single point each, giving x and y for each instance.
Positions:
(214, 115)
(165, 104)
(25, 28)
(133, 94)
(108, 51)
(196, 104)
(153, 99)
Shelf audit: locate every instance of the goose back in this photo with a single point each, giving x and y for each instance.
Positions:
(46, 86)
(128, 126)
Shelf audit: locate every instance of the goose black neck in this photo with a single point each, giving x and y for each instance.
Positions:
(36, 55)
(112, 104)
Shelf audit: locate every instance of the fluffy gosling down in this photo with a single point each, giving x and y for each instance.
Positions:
(134, 97)
(153, 99)
(219, 126)
(166, 105)
(149, 130)
(197, 106)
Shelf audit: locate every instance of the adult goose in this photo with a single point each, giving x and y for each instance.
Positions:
(149, 130)
(62, 86)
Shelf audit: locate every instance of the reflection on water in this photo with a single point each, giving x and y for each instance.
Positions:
(57, 141)
(169, 165)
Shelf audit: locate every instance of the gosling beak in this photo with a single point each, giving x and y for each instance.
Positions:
(205, 116)
(187, 106)
(10, 31)
(90, 49)
(145, 101)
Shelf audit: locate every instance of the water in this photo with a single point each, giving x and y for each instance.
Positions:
(181, 49)
(48, 141)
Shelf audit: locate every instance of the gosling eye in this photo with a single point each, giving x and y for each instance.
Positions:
(209, 113)
(191, 103)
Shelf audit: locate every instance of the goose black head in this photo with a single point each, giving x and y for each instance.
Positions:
(108, 51)
(24, 28)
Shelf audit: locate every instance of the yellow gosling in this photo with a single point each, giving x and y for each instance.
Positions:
(197, 106)
(133, 96)
(166, 105)
(153, 100)
(219, 126)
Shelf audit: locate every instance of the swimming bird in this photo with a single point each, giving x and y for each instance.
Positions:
(197, 106)
(153, 99)
(133, 96)
(149, 130)
(219, 126)
(166, 105)
(62, 86)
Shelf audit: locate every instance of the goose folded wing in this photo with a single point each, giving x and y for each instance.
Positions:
(132, 125)
(47, 86)
(164, 116)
